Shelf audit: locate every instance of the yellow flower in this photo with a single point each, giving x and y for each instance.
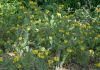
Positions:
(16, 59)
(19, 17)
(42, 49)
(19, 65)
(83, 26)
(1, 13)
(47, 11)
(31, 21)
(21, 7)
(80, 42)
(28, 28)
(88, 26)
(61, 30)
(98, 36)
(82, 48)
(46, 52)
(8, 41)
(18, 25)
(61, 6)
(19, 3)
(35, 51)
(69, 50)
(33, 3)
(0, 6)
(91, 52)
(25, 12)
(93, 20)
(50, 62)
(1, 59)
(15, 52)
(65, 41)
(50, 37)
(97, 9)
(41, 55)
(65, 16)
(58, 14)
(37, 30)
(67, 33)
(20, 38)
(97, 64)
(56, 58)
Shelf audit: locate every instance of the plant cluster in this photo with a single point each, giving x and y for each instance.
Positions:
(34, 38)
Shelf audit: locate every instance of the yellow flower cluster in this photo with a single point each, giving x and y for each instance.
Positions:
(84, 26)
(97, 37)
(19, 17)
(67, 33)
(97, 9)
(21, 7)
(97, 64)
(82, 48)
(35, 51)
(50, 62)
(65, 41)
(55, 59)
(42, 49)
(91, 52)
(76, 24)
(20, 38)
(58, 14)
(62, 30)
(47, 52)
(42, 53)
(25, 12)
(16, 59)
(33, 3)
(1, 59)
(61, 6)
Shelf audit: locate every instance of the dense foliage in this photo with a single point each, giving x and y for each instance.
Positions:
(42, 35)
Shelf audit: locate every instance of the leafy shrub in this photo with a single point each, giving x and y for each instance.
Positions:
(42, 39)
